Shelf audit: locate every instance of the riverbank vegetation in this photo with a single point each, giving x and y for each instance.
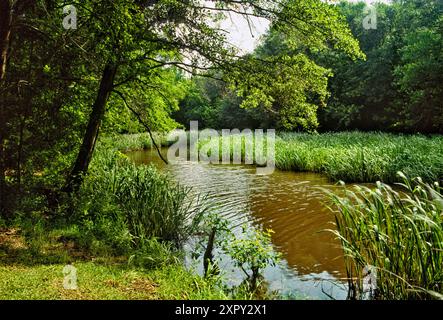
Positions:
(123, 232)
(362, 157)
(365, 157)
(395, 234)
(69, 89)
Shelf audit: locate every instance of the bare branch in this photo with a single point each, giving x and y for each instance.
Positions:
(143, 123)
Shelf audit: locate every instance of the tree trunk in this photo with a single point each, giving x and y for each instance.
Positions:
(95, 119)
(20, 155)
(5, 34)
(3, 206)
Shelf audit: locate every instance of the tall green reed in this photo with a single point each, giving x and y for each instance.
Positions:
(356, 156)
(398, 232)
(143, 200)
(154, 206)
(362, 157)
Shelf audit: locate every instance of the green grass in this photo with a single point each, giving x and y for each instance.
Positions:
(32, 260)
(347, 156)
(154, 206)
(104, 282)
(142, 198)
(132, 142)
(95, 282)
(362, 157)
(400, 233)
(33, 255)
(122, 231)
(355, 156)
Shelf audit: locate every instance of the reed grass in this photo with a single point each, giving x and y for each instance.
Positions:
(140, 201)
(154, 206)
(345, 156)
(355, 156)
(399, 232)
(362, 157)
(132, 142)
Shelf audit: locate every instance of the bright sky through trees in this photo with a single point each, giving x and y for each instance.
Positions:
(246, 38)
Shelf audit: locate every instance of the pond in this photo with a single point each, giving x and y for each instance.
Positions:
(289, 203)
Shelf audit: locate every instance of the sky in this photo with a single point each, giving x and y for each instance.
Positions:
(240, 35)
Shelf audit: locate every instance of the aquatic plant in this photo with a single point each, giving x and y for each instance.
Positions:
(362, 157)
(398, 232)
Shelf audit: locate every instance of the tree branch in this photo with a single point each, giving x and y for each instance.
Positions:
(143, 123)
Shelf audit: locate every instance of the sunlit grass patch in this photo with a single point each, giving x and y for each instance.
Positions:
(362, 157)
(95, 282)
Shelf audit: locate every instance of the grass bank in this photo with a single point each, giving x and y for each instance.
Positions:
(354, 156)
(362, 157)
(122, 232)
(35, 271)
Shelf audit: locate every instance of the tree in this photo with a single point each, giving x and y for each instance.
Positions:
(60, 85)
(143, 36)
(10, 16)
(398, 88)
(419, 73)
(290, 86)
(214, 105)
(362, 92)
(5, 32)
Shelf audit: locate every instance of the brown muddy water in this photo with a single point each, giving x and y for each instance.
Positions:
(288, 203)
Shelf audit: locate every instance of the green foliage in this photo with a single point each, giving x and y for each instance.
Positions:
(155, 103)
(291, 92)
(357, 156)
(152, 254)
(398, 88)
(420, 76)
(154, 206)
(361, 157)
(139, 201)
(297, 74)
(399, 232)
(290, 86)
(214, 105)
(253, 251)
(132, 142)
(283, 87)
(49, 97)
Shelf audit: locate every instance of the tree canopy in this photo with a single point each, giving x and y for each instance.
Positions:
(131, 66)
(129, 61)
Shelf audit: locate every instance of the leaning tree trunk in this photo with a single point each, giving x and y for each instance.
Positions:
(95, 119)
(5, 34)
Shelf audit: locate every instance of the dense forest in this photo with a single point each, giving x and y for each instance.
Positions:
(82, 83)
(396, 87)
